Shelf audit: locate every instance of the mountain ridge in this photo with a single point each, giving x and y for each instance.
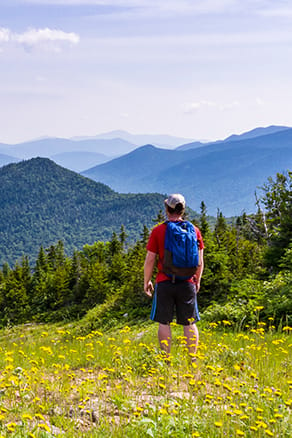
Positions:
(224, 175)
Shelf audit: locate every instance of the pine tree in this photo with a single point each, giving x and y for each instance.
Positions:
(123, 236)
(159, 218)
(204, 225)
(277, 200)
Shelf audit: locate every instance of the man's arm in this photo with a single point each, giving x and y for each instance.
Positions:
(148, 271)
(199, 271)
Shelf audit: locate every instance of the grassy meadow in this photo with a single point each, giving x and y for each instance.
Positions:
(116, 383)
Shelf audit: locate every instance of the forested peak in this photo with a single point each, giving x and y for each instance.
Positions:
(42, 202)
(42, 171)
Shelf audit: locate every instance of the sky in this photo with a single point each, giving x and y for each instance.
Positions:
(199, 69)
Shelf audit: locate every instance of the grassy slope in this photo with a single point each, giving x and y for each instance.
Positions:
(116, 383)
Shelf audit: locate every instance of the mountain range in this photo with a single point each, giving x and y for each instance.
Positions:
(163, 141)
(223, 174)
(81, 153)
(74, 155)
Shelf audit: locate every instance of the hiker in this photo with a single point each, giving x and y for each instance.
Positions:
(173, 293)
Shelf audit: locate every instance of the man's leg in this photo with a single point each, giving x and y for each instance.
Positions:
(191, 333)
(164, 337)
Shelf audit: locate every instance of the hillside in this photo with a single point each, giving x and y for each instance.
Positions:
(224, 175)
(42, 202)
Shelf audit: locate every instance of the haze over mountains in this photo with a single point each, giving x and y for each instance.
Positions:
(163, 141)
(224, 174)
(75, 155)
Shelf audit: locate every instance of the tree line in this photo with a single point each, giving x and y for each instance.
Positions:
(247, 270)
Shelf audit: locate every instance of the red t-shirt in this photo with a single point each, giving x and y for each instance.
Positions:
(156, 244)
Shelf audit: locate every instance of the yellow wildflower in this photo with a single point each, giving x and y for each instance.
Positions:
(44, 426)
(218, 423)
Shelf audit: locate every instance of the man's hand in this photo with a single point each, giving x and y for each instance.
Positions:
(148, 288)
(198, 284)
(148, 270)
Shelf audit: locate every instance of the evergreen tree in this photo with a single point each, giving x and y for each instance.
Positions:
(14, 303)
(220, 229)
(123, 236)
(144, 236)
(204, 225)
(115, 245)
(159, 218)
(277, 200)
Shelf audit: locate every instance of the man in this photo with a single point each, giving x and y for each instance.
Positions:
(168, 295)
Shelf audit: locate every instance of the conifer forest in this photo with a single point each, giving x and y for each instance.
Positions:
(248, 265)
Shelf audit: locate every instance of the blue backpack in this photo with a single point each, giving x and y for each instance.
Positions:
(181, 253)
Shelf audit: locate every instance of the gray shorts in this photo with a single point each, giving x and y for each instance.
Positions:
(180, 297)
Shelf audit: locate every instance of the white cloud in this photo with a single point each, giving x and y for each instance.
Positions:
(193, 107)
(38, 36)
(229, 106)
(4, 35)
(44, 38)
(259, 101)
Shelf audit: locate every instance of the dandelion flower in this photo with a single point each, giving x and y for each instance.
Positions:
(218, 423)
(11, 427)
(279, 416)
(44, 426)
(26, 417)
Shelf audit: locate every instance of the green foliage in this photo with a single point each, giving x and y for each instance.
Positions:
(277, 298)
(277, 200)
(102, 283)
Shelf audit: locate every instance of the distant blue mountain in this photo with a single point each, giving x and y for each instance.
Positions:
(193, 145)
(165, 141)
(79, 160)
(6, 159)
(224, 175)
(47, 147)
(257, 132)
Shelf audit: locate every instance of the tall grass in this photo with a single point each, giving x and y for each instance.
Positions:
(54, 382)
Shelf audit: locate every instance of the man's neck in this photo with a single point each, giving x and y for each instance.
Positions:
(174, 217)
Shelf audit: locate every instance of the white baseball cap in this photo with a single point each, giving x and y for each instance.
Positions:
(174, 199)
